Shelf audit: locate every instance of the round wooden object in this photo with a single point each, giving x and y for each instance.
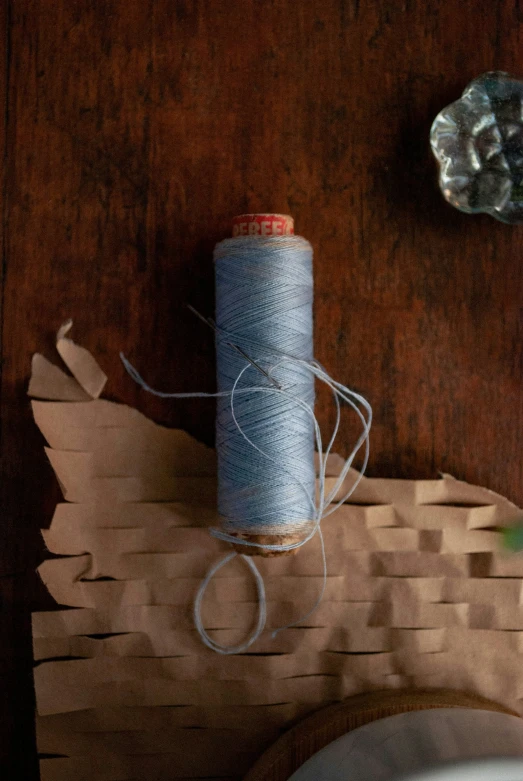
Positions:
(317, 731)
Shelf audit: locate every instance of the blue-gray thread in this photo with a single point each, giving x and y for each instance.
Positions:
(265, 446)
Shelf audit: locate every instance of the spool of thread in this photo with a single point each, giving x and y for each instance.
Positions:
(266, 430)
(265, 437)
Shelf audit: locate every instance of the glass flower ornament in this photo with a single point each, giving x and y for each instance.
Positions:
(478, 143)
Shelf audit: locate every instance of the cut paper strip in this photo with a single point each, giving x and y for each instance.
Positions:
(158, 566)
(419, 564)
(76, 473)
(236, 615)
(132, 516)
(77, 541)
(80, 363)
(133, 566)
(449, 517)
(456, 540)
(122, 767)
(203, 669)
(445, 491)
(113, 447)
(178, 591)
(160, 741)
(357, 640)
(58, 696)
(186, 642)
(448, 490)
(351, 536)
(50, 382)
(99, 413)
(247, 718)
(504, 565)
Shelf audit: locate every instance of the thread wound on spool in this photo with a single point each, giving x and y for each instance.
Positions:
(265, 440)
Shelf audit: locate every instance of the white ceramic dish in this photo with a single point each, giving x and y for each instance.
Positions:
(441, 744)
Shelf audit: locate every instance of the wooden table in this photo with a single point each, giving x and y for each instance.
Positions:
(135, 129)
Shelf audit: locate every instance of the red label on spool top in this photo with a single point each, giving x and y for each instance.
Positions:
(263, 225)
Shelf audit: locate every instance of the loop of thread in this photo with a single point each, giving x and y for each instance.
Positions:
(262, 608)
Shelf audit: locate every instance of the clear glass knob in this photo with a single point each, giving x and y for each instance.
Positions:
(478, 143)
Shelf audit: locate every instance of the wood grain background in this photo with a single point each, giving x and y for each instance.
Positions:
(134, 129)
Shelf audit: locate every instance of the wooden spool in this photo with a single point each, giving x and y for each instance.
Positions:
(264, 225)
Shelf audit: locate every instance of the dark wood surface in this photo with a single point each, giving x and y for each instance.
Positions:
(135, 129)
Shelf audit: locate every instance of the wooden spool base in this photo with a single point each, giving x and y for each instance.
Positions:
(266, 539)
